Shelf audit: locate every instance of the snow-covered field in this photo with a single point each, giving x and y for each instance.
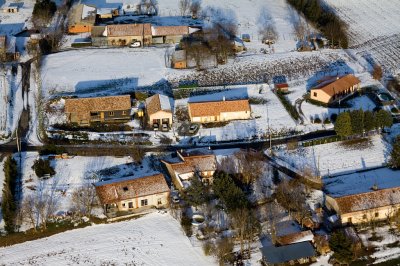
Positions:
(102, 71)
(374, 30)
(338, 157)
(155, 239)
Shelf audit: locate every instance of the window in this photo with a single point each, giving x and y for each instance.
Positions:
(123, 204)
(349, 220)
(125, 188)
(364, 216)
(111, 113)
(143, 202)
(159, 201)
(377, 214)
(130, 204)
(315, 94)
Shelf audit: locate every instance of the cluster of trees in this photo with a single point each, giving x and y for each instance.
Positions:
(327, 21)
(394, 161)
(266, 26)
(43, 12)
(358, 121)
(9, 201)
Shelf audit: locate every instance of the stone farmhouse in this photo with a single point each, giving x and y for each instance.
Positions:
(133, 194)
(84, 111)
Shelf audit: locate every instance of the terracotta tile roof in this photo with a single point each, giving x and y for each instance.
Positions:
(295, 237)
(194, 161)
(119, 30)
(368, 200)
(216, 108)
(337, 85)
(129, 188)
(281, 85)
(109, 103)
(157, 103)
(169, 30)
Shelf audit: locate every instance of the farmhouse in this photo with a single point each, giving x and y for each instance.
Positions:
(84, 111)
(199, 162)
(335, 89)
(300, 253)
(81, 19)
(133, 193)
(364, 207)
(216, 111)
(168, 34)
(125, 34)
(158, 112)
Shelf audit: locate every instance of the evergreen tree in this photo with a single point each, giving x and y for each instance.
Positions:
(342, 246)
(394, 161)
(196, 194)
(8, 205)
(228, 192)
(357, 121)
(343, 125)
(369, 121)
(384, 119)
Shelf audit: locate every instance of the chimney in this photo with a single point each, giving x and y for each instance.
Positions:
(223, 98)
(375, 187)
(337, 77)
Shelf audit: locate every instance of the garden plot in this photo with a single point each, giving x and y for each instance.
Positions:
(270, 107)
(155, 239)
(361, 182)
(90, 72)
(76, 172)
(338, 157)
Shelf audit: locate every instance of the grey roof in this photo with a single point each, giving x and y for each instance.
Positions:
(287, 253)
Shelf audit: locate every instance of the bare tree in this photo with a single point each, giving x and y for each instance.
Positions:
(266, 26)
(84, 199)
(246, 226)
(184, 6)
(250, 165)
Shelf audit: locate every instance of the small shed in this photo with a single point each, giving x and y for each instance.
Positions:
(12, 8)
(178, 60)
(283, 87)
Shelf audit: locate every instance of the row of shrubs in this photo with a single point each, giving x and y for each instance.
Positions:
(323, 141)
(95, 127)
(288, 106)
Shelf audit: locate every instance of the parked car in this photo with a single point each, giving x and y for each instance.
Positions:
(176, 199)
(164, 127)
(193, 128)
(135, 44)
(155, 126)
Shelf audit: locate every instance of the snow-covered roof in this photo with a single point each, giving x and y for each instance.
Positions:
(88, 11)
(112, 191)
(369, 200)
(287, 253)
(192, 160)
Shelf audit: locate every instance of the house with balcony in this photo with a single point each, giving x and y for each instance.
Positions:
(84, 111)
(133, 194)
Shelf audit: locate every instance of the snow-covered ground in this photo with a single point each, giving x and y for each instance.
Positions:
(374, 30)
(102, 71)
(74, 173)
(12, 23)
(155, 239)
(382, 251)
(338, 157)
(11, 102)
